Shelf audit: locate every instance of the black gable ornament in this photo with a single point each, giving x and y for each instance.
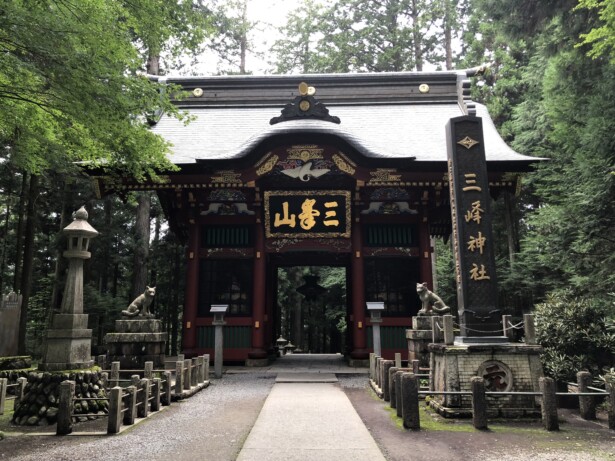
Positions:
(305, 106)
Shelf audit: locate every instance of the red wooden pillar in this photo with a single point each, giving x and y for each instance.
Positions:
(192, 289)
(425, 250)
(258, 295)
(357, 275)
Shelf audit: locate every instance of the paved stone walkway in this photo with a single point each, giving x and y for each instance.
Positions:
(308, 421)
(305, 363)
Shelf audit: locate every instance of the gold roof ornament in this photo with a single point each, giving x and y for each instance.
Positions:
(303, 89)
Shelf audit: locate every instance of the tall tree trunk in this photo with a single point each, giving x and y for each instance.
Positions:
(243, 41)
(60, 264)
(106, 252)
(511, 228)
(28, 258)
(23, 197)
(141, 251)
(5, 233)
(449, 6)
(174, 308)
(416, 36)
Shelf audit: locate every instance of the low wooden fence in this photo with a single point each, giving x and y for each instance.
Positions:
(405, 391)
(144, 392)
(18, 391)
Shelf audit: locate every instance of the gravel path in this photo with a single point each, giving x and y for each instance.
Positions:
(211, 425)
(214, 424)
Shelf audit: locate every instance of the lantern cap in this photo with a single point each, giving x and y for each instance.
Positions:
(80, 224)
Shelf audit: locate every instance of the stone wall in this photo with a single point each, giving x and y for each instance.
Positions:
(505, 368)
(40, 404)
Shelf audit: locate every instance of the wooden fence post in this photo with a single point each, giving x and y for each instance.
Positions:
(179, 377)
(115, 374)
(206, 358)
(587, 405)
(115, 410)
(148, 371)
(65, 408)
(548, 404)
(479, 403)
(187, 374)
(131, 405)
(21, 390)
(4, 382)
(166, 396)
(410, 401)
(610, 387)
(155, 405)
(143, 398)
(386, 366)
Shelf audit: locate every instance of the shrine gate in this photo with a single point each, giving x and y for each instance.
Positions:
(344, 170)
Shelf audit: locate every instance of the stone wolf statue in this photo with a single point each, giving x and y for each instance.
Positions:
(140, 306)
(432, 303)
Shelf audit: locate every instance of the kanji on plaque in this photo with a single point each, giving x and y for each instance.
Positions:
(308, 213)
(285, 219)
(317, 213)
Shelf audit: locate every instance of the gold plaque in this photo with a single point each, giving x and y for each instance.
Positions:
(304, 105)
(303, 88)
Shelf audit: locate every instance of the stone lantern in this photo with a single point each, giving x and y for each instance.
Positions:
(69, 340)
(375, 310)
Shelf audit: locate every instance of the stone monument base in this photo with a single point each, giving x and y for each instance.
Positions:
(135, 342)
(418, 339)
(509, 367)
(68, 344)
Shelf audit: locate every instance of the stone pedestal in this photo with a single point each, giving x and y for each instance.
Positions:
(513, 367)
(136, 342)
(68, 343)
(419, 338)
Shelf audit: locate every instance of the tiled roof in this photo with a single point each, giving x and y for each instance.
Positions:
(387, 129)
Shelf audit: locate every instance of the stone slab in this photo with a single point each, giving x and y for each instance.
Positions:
(306, 378)
(135, 337)
(308, 421)
(139, 326)
(70, 322)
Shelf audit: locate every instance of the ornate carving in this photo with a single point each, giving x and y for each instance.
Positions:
(498, 377)
(226, 177)
(389, 208)
(268, 165)
(305, 153)
(304, 106)
(468, 142)
(389, 193)
(227, 209)
(384, 175)
(305, 172)
(226, 195)
(343, 165)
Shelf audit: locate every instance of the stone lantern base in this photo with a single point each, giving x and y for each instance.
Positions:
(136, 342)
(509, 367)
(68, 344)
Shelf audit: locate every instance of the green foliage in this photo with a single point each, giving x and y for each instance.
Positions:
(72, 87)
(573, 332)
(365, 36)
(602, 36)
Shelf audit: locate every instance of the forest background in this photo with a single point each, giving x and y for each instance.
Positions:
(74, 88)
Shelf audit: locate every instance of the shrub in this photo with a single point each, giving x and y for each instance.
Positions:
(575, 334)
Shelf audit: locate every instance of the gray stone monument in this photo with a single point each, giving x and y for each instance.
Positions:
(482, 349)
(10, 308)
(69, 341)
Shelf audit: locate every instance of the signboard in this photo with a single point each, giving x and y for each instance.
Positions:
(472, 234)
(307, 214)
